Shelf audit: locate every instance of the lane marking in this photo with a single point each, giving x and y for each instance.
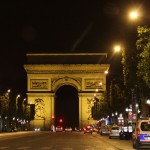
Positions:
(24, 147)
(4, 147)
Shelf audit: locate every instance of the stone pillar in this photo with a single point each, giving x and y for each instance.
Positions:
(84, 112)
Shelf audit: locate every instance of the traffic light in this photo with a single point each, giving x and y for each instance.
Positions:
(60, 120)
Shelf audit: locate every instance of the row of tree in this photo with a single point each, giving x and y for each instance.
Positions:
(14, 112)
(133, 84)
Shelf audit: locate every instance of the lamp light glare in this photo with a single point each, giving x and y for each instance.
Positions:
(133, 15)
(148, 101)
(117, 48)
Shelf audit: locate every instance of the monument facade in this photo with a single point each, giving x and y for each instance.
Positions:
(46, 73)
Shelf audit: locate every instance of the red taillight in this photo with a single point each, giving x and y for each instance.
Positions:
(138, 131)
(110, 131)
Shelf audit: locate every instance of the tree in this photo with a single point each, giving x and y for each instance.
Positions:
(117, 96)
(143, 47)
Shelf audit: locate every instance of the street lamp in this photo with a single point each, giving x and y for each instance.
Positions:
(17, 101)
(117, 48)
(133, 15)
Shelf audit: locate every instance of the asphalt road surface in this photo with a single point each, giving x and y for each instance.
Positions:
(60, 141)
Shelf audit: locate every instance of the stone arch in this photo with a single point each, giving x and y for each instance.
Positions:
(46, 73)
(66, 106)
(57, 83)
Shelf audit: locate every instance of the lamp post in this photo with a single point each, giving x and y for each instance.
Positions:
(16, 105)
(16, 108)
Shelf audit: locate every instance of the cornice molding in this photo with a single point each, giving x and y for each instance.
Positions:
(66, 68)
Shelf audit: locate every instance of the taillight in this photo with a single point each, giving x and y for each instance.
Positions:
(138, 131)
(110, 131)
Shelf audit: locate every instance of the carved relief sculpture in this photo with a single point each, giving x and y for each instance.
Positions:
(39, 109)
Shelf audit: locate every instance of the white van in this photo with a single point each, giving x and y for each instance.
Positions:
(141, 133)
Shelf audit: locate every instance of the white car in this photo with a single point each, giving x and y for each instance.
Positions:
(68, 129)
(114, 132)
(141, 133)
(105, 129)
(59, 129)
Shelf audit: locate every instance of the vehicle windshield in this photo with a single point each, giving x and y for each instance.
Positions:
(145, 126)
(115, 128)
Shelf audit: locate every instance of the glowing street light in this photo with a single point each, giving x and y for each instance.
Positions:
(8, 90)
(17, 100)
(133, 15)
(148, 101)
(117, 48)
(106, 71)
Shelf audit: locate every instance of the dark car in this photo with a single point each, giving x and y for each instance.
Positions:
(88, 129)
(126, 133)
(77, 129)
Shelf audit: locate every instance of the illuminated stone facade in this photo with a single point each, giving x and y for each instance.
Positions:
(45, 78)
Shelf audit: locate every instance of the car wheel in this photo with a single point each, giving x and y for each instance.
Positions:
(101, 133)
(109, 137)
(136, 144)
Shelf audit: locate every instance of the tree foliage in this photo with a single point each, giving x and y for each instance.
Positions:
(143, 47)
(129, 61)
(117, 96)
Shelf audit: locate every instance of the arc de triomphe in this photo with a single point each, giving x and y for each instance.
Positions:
(46, 73)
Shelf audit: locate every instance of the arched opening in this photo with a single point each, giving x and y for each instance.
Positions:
(67, 106)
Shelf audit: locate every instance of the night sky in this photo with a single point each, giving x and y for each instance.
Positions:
(59, 27)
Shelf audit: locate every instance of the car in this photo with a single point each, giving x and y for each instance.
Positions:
(77, 129)
(126, 133)
(95, 129)
(141, 133)
(68, 129)
(105, 129)
(13, 129)
(36, 129)
(88, 129)
(59, 129)
(114, 132)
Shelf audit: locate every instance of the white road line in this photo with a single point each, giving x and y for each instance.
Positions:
(24, 147)
(46, 148)
(4, 147)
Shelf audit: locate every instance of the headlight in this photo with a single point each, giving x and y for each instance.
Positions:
(37, 129)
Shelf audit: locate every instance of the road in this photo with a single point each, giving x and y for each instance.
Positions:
(60, 141)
